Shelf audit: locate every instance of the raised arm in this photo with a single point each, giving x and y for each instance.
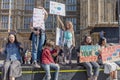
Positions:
(31, 26)
(46, 15)
(61, 23)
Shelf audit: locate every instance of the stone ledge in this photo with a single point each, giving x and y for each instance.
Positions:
(67, 72)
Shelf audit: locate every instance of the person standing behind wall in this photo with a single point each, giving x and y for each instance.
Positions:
(12, 64)
(37, 37)
(91, 73)
(69, 39)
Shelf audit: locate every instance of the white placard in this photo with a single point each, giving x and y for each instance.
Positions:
(59, 36)
(38, 18)
(57, 8)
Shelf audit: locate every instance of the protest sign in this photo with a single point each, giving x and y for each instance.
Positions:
(110, 54)
(89, 53)
(59, 36)
(38, 18)
(57, 8)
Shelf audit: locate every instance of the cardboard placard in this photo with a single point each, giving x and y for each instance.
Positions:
(89, 53)
(110, 54)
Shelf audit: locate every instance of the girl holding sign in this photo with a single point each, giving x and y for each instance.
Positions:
(38, 36)
(109, 67)
(91, 73)
(69, 39)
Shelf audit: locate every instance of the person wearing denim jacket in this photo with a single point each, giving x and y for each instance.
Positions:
(13, 57)
(48, 62)
(38, 37)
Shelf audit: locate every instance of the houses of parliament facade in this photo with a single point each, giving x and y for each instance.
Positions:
(87, 16)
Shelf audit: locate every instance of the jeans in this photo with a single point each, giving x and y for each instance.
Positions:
(37, 43)
(68, 53)
(47, 67)
(89, 66)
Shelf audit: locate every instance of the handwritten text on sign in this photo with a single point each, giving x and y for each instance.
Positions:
(89, 53)
(57, 8)
(38, 18)
(110, 54)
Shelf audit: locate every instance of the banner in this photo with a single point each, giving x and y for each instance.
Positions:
(38, 18)
(57, 8)
(59, 36)
(110, 54)
(89, 53)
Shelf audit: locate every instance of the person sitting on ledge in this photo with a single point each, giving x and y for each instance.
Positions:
(12, 64)
(109, 67)
(48, 62)
(91, 73)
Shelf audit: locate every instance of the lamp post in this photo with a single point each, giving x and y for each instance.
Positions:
(9, 18)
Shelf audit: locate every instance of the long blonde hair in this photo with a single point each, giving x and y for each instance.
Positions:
(70, 25)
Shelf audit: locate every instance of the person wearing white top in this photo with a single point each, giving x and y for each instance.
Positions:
(110, 67)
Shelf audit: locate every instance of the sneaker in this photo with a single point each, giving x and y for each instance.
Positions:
(36, 65)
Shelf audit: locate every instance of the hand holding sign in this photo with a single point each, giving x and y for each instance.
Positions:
(38, 18)
(110, 54)
(40, 7)
(57, 8)
(89, 53)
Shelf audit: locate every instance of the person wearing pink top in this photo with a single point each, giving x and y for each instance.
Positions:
(48, 62)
